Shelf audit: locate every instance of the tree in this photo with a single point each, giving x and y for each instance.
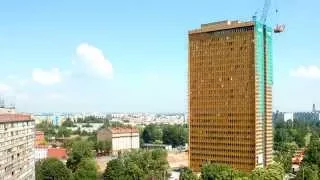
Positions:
(140, 164)
(47, 128)
(52, 168)
(80, 149)
(67, 143)
(107, 146)
(103, 147)
(175, 135)
(284, 158)
(308, 172)
(99, 146)
(86, 170)
(274, 171)
(152, 133)
(186, 174)
(220, 171)
(259, 173)
(216, 171)
(115, 170)
(68, 123)
(63, 132)
(312, 154)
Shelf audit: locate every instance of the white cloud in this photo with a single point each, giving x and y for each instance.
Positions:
(49, 77)
(312, 72)
(4, 88)
(94, 60)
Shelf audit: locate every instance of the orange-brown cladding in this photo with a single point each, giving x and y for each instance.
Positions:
(223, 96)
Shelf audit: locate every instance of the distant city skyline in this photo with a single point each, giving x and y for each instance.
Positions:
(120, 56)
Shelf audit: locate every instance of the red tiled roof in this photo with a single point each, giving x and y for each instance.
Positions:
(298, 157)
(59, 153)
(119, 130)
(14, 117)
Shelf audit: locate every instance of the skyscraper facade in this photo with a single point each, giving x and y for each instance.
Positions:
(230, 95)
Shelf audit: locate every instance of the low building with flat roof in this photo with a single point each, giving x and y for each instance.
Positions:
(122, 138)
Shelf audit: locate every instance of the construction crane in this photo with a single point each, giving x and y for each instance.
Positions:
(265, 12)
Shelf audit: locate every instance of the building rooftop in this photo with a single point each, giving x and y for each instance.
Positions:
(120, 130)
(7, 110)
(14, 117)
(59, 153)
(221, 25)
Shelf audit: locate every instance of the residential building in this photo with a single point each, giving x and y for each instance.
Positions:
(122, 138)
(300, 116)
(56, 120)
(39, 138)
(40, 152)
(306, 116)
(39, 118)
(230, 95)
(16, 145)
(43, 152)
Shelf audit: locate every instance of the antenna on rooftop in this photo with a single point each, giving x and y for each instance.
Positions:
(2, 102)
(8, 102)
(11, 102)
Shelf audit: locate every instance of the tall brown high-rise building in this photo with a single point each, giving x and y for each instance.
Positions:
(230, 95)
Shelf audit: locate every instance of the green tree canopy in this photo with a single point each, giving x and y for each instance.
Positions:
(52, 168)
(68, 123)
(87, 170)
(312, 154)
(80, 149)
(103, 146)
(186, 174)
(308, 171)
(175, 135)
(63, 132)
(140, 164)
(152, 133)
(47, 128)
(115, 170)
(220, 172)
(274, 171)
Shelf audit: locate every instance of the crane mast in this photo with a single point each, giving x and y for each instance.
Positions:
(264, 16)
(265, 11)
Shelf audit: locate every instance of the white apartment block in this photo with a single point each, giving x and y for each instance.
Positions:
(16, 146)
(40, 153)
(122, 138)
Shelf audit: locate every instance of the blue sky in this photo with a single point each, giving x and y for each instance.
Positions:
(132, 55)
